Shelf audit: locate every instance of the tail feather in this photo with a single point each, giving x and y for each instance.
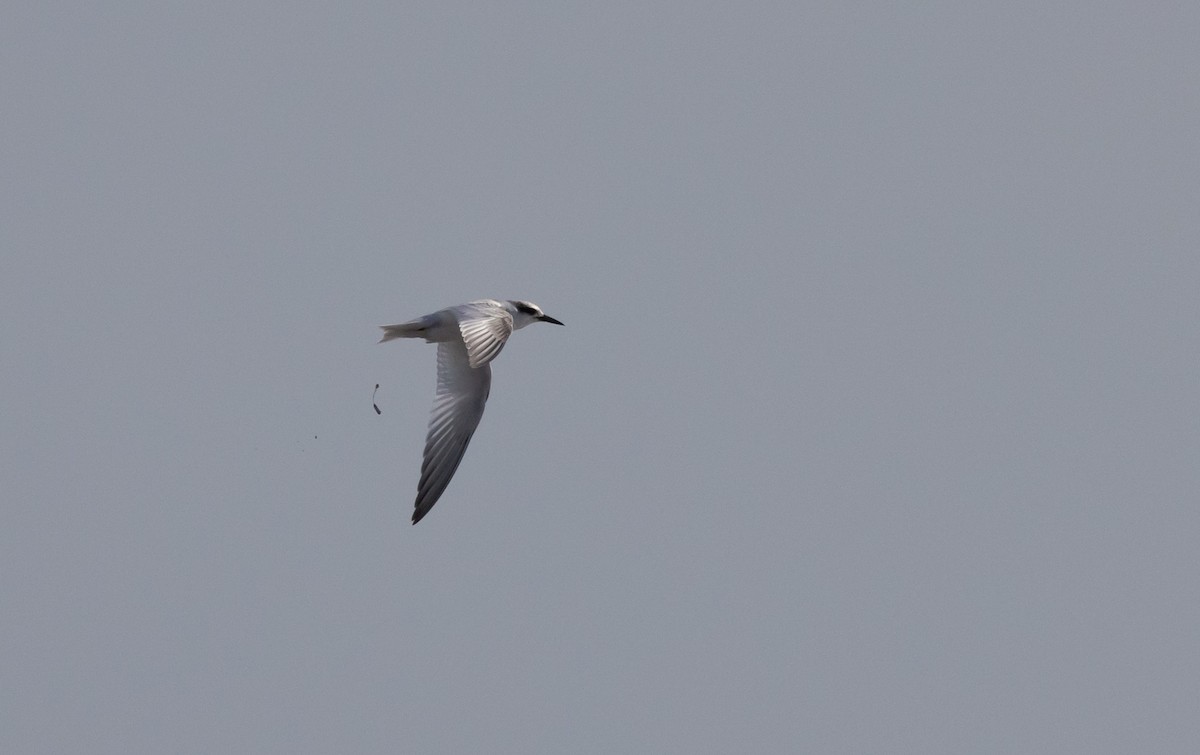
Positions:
(411, 329)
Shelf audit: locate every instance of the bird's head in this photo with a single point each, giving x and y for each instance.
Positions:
(526, 312)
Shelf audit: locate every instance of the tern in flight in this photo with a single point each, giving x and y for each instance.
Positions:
(469, 336)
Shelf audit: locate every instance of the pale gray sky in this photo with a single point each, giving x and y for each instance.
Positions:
(873, 427)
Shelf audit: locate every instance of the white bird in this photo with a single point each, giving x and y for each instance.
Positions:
(469, 336)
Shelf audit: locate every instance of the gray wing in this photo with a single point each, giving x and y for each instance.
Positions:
(462, 391)
(485, 327)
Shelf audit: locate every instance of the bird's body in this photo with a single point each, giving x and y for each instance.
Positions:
(469, 336)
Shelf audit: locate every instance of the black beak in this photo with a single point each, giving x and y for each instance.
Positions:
(548, 318)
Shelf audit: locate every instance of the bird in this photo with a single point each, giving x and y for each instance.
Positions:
(469, 336)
